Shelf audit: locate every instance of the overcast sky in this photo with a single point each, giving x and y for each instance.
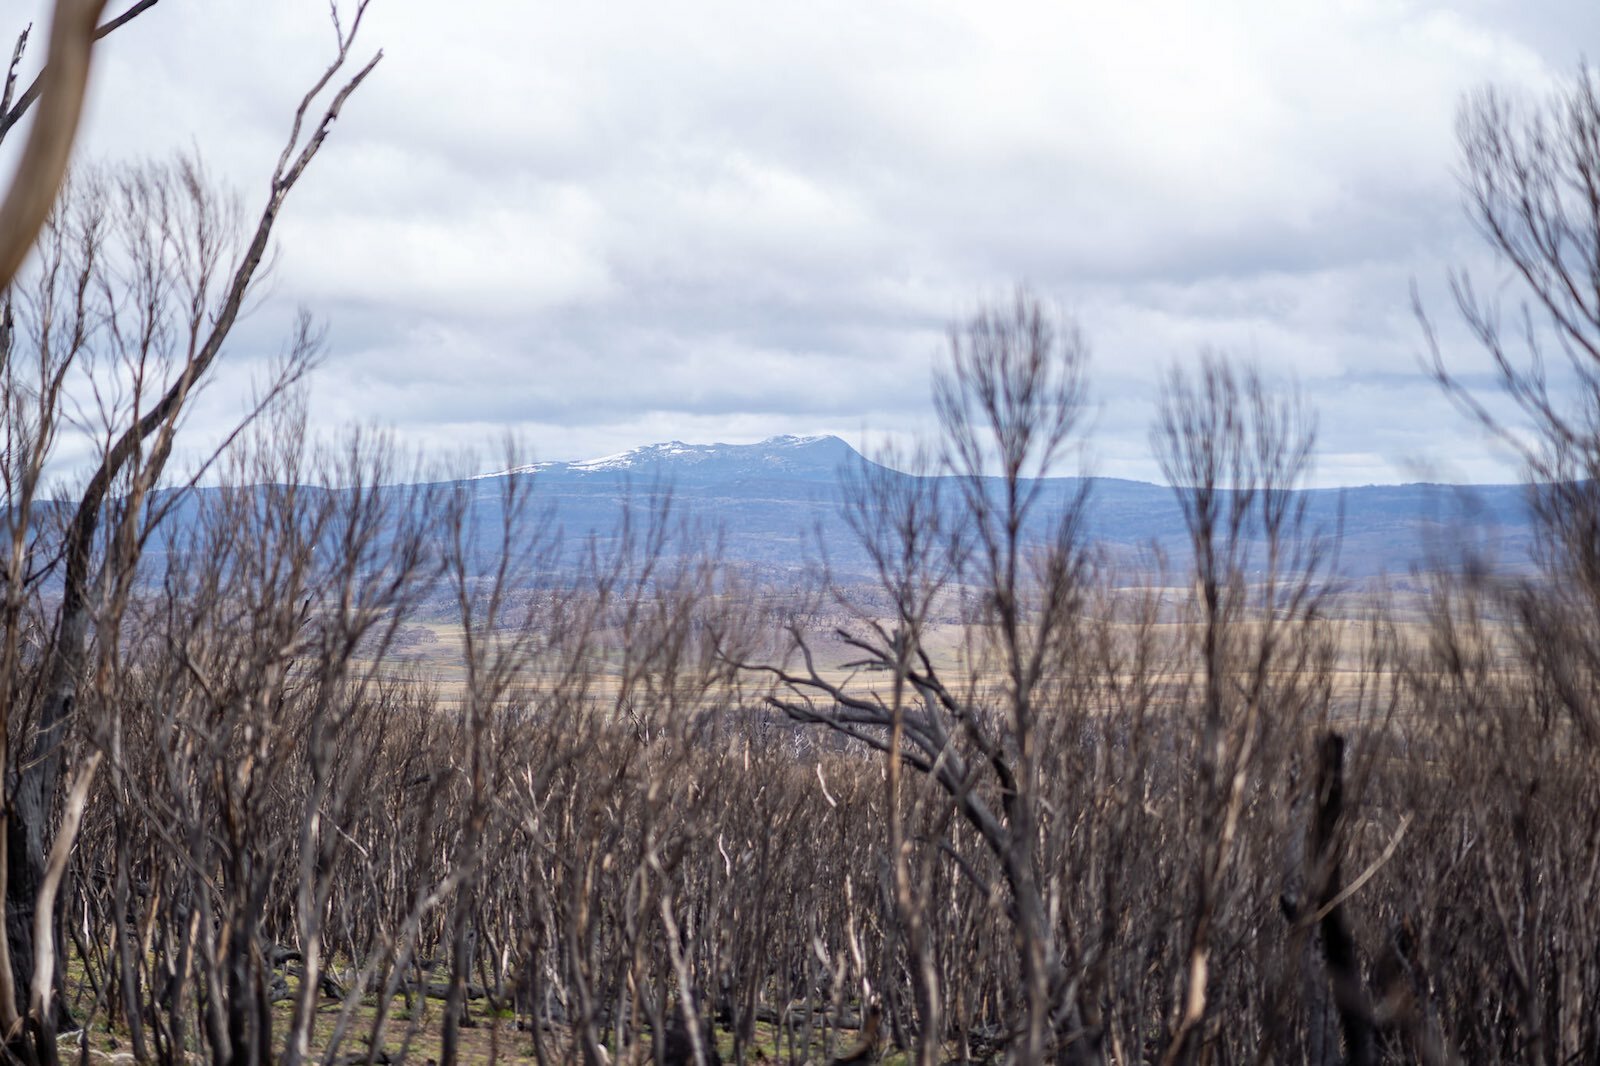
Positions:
(604, 225)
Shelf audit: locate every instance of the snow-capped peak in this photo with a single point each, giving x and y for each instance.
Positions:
(774, 452)
(678, 452)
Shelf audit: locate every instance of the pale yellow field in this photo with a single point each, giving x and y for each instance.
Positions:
(433, 653)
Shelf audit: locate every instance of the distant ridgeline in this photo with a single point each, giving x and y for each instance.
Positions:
(771, 501)
(767, 506)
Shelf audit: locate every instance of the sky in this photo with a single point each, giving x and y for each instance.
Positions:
(598, 226)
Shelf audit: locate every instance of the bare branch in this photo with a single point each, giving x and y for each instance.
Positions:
(43, 164)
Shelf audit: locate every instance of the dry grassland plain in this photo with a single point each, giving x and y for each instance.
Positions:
(432, 653)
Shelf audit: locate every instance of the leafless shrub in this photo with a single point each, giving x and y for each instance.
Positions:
(657, 818)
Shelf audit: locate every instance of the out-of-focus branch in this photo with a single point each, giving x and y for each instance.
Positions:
(61, 88)
(11, 113)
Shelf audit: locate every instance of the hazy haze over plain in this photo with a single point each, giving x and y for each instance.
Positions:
(606, 225)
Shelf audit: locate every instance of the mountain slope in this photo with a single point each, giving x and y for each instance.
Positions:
(771, 501)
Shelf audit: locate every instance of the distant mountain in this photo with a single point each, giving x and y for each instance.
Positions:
(768, 507)
(772, 501)
(814, 459)
(764, 501)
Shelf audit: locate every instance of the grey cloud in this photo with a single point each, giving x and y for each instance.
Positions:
(608, 225)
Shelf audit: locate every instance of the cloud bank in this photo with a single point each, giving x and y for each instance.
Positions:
(604, 225)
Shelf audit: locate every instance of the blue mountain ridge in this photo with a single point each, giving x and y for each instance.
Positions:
(766, 507)
(771, 500)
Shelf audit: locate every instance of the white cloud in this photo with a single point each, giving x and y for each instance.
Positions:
(601, 222)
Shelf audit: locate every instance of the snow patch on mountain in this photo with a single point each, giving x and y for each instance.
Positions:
(777, 452)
